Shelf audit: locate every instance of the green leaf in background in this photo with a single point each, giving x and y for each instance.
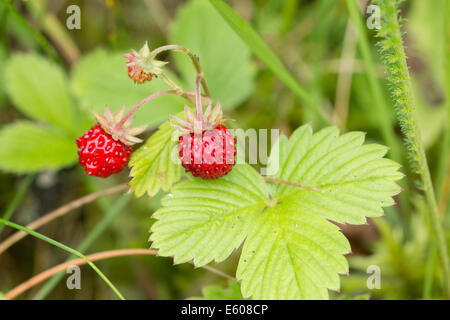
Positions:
(38, 88)
(233, 292)
(152, 167)
(263, 52)
(30, 147)
(100, 79)
(2, 296)
(206, 220)
(291, 250)
(2, 84)
(224, 57)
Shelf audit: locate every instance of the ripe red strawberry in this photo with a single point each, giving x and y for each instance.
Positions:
(105, 149)
(208, 155)
(208, 149)
(100, 154)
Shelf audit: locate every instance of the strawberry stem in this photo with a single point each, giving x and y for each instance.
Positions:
(142, 102)
(198, 102)
(195, 62)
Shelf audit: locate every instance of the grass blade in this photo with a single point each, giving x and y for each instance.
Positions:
(40, 38)
(87, 242)
(65, 248)
(17, 199)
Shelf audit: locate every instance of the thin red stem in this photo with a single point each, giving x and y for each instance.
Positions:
(142, 102)
(198, 103)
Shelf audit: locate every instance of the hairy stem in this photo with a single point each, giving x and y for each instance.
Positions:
(383, 112)
(198, 104)
(7, 243)
(141, 103)
(195, 62)
(394, 56)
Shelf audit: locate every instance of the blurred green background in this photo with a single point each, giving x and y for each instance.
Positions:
(51, 77)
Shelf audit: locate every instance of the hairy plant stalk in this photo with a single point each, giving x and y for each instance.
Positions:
(44, 275)
(393, 53)
(383, 112)
(189, 96)
(195, 62)
(144, 101)
(61, 211)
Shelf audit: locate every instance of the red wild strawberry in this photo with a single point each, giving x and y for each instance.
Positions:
(100, 154)
(105, 149)
(208, 155)
(208, 149)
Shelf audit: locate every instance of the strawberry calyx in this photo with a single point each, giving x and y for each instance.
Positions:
(142, 65)
(119, 127)
(199, 122)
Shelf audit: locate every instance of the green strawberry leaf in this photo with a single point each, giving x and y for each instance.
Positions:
(100, 79)
(291, 253)
(29, 147)
(38, 88)
(2, 296)
(357, 181)
(291, 250)
(206, 220)
(225, 59)
(233, 292)
(153, 166)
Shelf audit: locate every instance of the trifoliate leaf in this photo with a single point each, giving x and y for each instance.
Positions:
(154, 165)
(29, 147)
(206, 220)
(291, 250)
(233, 292)
(38, 88)
(100, 79)
(225, 59)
